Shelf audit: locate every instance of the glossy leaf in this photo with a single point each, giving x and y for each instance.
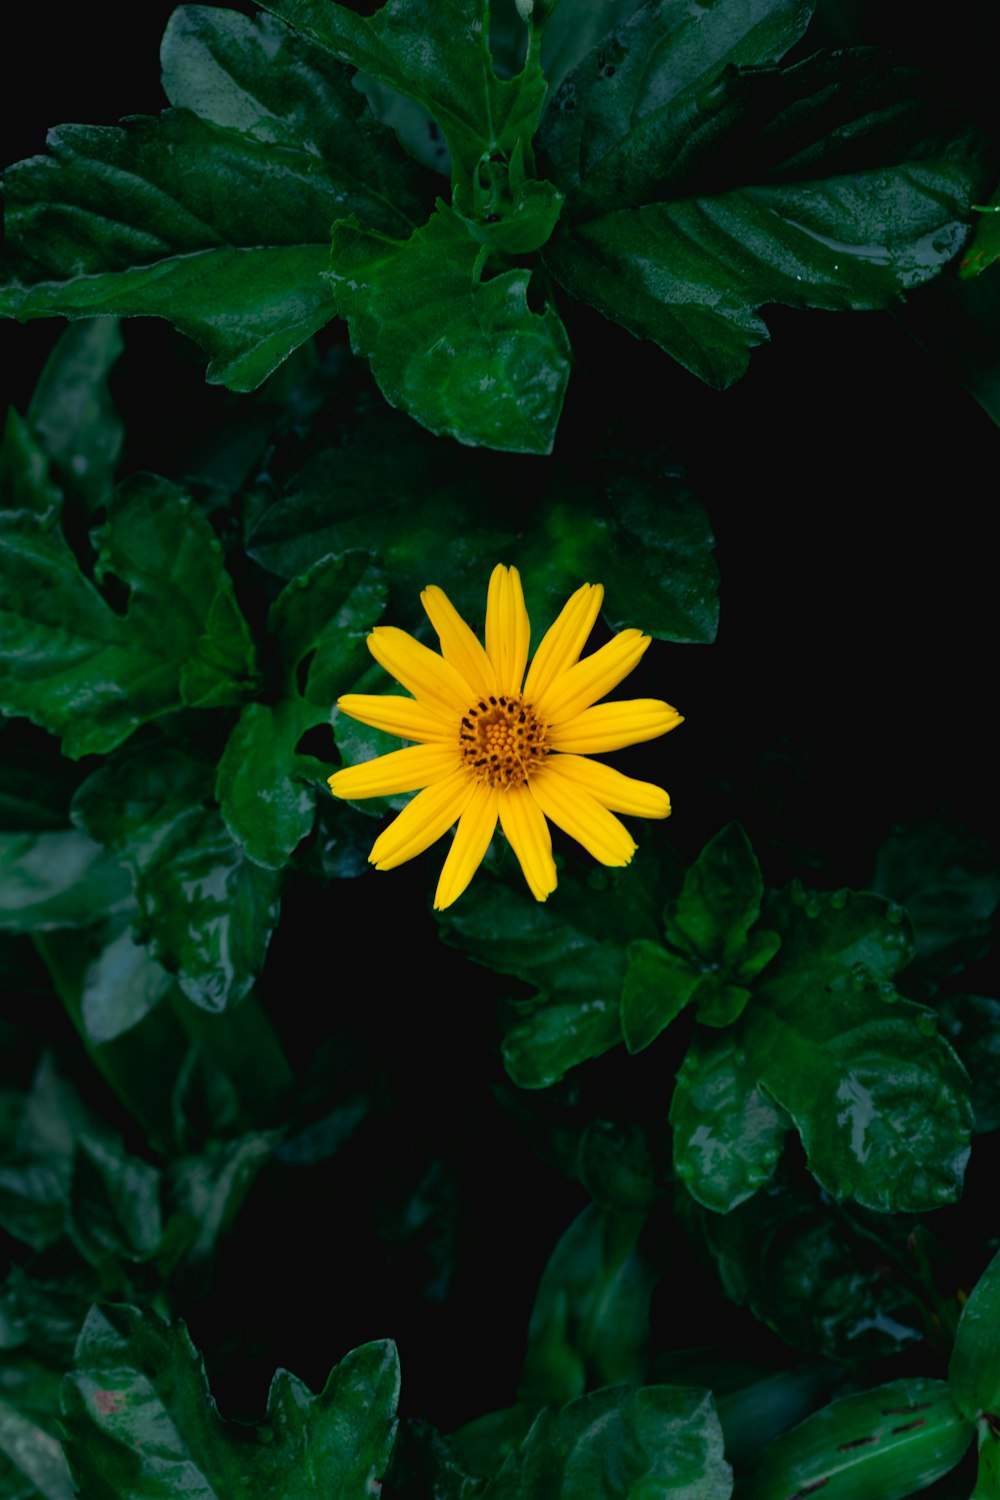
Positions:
(590, 1322)
(462, 352)
(879, 1099)
(266, 789)
(829, 184)
(797, 1265)
(570, 951)
(728, 1133)
(949, 884)
(984, 249)
(57, 879)
(72, 414)
(974, 1371)
(120, 987)
(988, 1478)
(207, 911)
(114, 1204)
(647, 539)
(719, 900)
(876, 1445)
(620, 1444)
(971, 1023)
(656, 988)
(413, 49)
(140, 1419)
(75, 665)
(225, 226)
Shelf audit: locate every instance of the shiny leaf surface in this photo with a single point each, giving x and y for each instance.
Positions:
(974, 1371)
(57, 879)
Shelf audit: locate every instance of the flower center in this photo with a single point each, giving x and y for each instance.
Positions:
(502, 741)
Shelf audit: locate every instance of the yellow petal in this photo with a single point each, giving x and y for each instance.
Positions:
(425, 674)
(578, 813)
(610, 788)
(399, 771)
(402, 716)
(459, 644)
(564, 640)
(581, 685)
(523, 822)
(611, 726)
(423, 821)
(508, 629)
(471, 841)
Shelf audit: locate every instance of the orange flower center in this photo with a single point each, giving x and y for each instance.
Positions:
(502, 741)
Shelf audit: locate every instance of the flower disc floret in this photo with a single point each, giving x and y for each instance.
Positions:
(490, 744)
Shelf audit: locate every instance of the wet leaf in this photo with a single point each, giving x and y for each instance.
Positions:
(974, 1371)
(206, 910)
(839, 182)
(463, 353)
(875, 1445)
(719, 900)
(620, 1444)
(590, 1322)
(225, 225)
(57, 879)
(121, 986)
(139, 1416)
(70, 661)
(728, 1133)
(266, 789)
(656, 988)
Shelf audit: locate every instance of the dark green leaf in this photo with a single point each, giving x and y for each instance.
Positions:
(140, 1419)
(461, 351)
(879, 1099)
(974, 1371)
(875, 1445)
(949, 884)
(206, 909)
(114, 1204)
(210, 1188)
(647, 540)
(34, 1456)
(719, 900)
(25, 480)
(426, 1464)
(413, 49)
(985, 247)
(824, 1283)
(71, 411)
(74, 665)
(590, 1322)
(120, 987)
(656, 988)
(728, 1133)
(619, 1167)
(266, 789)
(571, 950)
(971, 1024)
(988, 1479)
(622, 123)
(621, 1444)
(224, 227)
(57, 879)
(836, 183)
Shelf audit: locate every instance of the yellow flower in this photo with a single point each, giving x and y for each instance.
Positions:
(493, 744)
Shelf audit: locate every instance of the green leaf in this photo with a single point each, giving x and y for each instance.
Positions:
(72, 414)
(621, 1444)
(719, 901)
(224, 227)
(590, 1322)
(837, 183)
(656, 988)
(439, 57)
(70, 661)
(988, 1479)
(266, 789)
(570, 950)
(114, 1205)
(974, 1371)
(648, 540)
(140, 1420)
(728, 1133)
(971, 1023)
(121, 986)
(879, 1099)
(25, 480)
(949, 884)
(875, 1445)
(463, 353)
(211, 1187)
(207, 911)
(984, 249)
(826, 1282)
(621, 1167)
(36, 1457)
(57, 879)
